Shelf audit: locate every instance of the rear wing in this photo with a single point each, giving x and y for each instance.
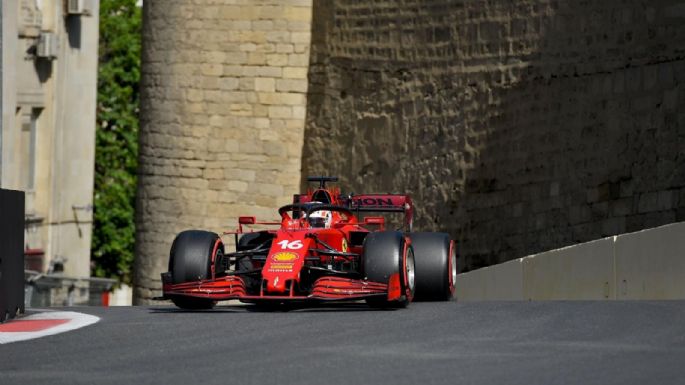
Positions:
(370, 203)
(384, 203)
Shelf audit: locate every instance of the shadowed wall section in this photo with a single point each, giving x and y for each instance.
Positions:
(517, 126)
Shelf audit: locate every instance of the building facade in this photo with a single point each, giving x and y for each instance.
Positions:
(49, 84)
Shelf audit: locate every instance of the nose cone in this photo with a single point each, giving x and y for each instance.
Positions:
(276, 285)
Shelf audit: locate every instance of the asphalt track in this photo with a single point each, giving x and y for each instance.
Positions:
(429, 343)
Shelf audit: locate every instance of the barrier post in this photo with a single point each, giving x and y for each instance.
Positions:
(11, 253)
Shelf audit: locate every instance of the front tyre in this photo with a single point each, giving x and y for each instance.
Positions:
(195, 255)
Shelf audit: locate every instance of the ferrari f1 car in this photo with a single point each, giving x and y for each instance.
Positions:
(321, 250)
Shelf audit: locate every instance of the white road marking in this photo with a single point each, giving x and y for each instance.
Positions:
(75, 321)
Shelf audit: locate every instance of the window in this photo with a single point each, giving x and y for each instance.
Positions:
(29, 123)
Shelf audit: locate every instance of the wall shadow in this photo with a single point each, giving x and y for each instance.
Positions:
(517, 127)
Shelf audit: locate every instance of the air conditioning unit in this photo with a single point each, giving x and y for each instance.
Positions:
(48, 45)
(78, 7)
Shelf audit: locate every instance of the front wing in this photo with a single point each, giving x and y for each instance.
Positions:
(233, 287)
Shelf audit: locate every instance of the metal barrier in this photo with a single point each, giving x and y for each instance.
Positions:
(56, 289)
(11, 253)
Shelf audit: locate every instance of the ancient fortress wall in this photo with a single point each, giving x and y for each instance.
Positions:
(222, 118)
(518, 126)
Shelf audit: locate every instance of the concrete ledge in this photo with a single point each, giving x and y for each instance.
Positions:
(648, 264)
(583, 272)
(503, 281)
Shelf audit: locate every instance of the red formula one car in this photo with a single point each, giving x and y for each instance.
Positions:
(322, 250)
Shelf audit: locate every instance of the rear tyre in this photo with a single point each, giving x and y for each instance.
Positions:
(436, 266)
(192, 256)
(383, 256)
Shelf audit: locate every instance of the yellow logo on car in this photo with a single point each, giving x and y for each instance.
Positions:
(284, 257)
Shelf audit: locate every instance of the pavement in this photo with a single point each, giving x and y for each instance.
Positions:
(639, 342)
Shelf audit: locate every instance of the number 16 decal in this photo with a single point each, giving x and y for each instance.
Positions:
(294, 245)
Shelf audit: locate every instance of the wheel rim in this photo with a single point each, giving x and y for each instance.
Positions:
(454, 267)
(218, 262)
(411, 282)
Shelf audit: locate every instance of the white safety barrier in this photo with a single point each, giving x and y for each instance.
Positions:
(648, 264)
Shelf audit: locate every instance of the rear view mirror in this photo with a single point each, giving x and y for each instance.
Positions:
(378, 221)
(247, 220)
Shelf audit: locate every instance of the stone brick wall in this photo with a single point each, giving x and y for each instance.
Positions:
(222, 118)
(517, 126)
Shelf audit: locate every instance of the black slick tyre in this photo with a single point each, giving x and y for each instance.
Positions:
(383, 256)
(192, 254)
(435, 266)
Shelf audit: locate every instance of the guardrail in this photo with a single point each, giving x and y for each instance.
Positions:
(56, 289)
(11, 253)
(648, 264)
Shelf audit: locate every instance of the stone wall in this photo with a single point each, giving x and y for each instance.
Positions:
(222, 118)
(517, 126)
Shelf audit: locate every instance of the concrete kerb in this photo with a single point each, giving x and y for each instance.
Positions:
(580, 272)
(649, 264)
(499, 282)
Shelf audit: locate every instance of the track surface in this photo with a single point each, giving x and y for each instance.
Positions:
(429, 343)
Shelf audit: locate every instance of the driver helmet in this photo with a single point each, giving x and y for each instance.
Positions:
(321, 219)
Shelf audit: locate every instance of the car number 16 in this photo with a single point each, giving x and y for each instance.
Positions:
(294, 245)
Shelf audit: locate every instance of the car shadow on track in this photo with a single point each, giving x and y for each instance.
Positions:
(280, 308)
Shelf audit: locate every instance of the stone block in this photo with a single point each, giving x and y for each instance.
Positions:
(283, 98)
(285, 48)
(263, 25)
(236, 12)
(291, 85)
(622, 207)
(298, 60)
(228, 83)
(278, 37)
(276, 59)
(299, 114)
(648, 202)
(248, 47)
(666, 200)
(194, 95)
(301, 48)
(295, 72)
(256, 58)
(297, 13)
(266, 71)
(280, 112)
(300, 37)
(265, 84)
(237, 186)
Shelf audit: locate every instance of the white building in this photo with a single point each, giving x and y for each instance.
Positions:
(49, 90)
